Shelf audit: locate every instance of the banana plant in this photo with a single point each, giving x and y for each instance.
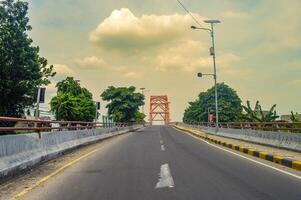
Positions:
(258, 115)
(294, 117)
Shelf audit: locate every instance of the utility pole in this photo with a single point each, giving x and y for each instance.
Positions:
(215, 74)
(212, 52)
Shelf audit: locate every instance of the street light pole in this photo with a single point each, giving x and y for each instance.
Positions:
(215, 79)
(212, 52)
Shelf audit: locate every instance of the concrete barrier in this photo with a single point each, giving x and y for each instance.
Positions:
(20, 152)
(290, 141)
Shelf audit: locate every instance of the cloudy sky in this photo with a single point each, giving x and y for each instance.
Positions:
(149, 44)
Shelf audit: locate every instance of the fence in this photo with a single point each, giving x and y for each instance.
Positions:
(49, 139)
(293, 127)
(30, 125)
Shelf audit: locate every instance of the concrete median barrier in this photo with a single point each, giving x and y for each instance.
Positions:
(284, 140)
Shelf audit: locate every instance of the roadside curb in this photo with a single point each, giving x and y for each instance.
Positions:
(294, 164)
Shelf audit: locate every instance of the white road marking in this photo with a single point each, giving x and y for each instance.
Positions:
(250, 159)
(165, 178)
(162, 147)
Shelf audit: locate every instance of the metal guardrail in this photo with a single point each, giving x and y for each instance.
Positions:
(48, 125)
(292, 127)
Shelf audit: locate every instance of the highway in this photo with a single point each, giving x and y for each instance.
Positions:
(160, 162)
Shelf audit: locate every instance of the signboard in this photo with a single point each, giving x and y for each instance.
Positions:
(42, 95)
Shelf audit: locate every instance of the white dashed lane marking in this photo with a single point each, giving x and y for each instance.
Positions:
(165, 178)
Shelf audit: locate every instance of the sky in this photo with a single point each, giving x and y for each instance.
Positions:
(150, 44)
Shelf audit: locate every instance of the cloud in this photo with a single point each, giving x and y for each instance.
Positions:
(132, 75)
(63, 70)
(185, 55)
(179, 62)
(51, 88)
(123, 30)
(296, 82)
(236, 15)
(280, 29)
(92, 62)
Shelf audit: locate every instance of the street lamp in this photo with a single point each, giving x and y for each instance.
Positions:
(212, 52)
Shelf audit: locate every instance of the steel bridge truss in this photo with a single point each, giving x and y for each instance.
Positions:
(159, 109)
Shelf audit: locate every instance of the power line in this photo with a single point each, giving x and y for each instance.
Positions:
(189, 12)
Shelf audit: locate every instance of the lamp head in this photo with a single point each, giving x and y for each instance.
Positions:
(212, 21)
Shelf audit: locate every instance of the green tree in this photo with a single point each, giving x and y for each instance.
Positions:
(21, 67)
(229, 104)
(72, 103)
(258, 115)
(124, 104)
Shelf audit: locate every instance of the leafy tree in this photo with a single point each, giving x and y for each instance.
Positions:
(72, 103)
(124, 104)
(229, 104)
(21, 67)
(258, 115)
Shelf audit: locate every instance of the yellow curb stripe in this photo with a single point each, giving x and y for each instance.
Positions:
(277, 159)
(297, 165)
(251, 152)
(262, 155)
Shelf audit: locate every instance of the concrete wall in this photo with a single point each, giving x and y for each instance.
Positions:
(18, 152)
(291, 141)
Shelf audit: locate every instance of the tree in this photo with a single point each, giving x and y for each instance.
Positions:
(258, 115)
(229, 104)
(72, 103)
(124, 104)
(21, 68)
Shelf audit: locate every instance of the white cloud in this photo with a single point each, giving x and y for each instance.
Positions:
(123, 30)
(179, 62)
(63, 70)
(92, 62)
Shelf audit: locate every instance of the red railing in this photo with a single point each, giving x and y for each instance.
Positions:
(31, 125)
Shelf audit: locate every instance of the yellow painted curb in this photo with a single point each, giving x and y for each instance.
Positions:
(278, 159)
(262, 154)
(251, 152)
(297, 165)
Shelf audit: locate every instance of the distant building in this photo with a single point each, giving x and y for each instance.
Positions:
(287, 118)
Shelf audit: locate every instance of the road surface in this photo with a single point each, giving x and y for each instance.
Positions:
(161, 163)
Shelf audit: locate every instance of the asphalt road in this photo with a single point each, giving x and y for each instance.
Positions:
(163, 163)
